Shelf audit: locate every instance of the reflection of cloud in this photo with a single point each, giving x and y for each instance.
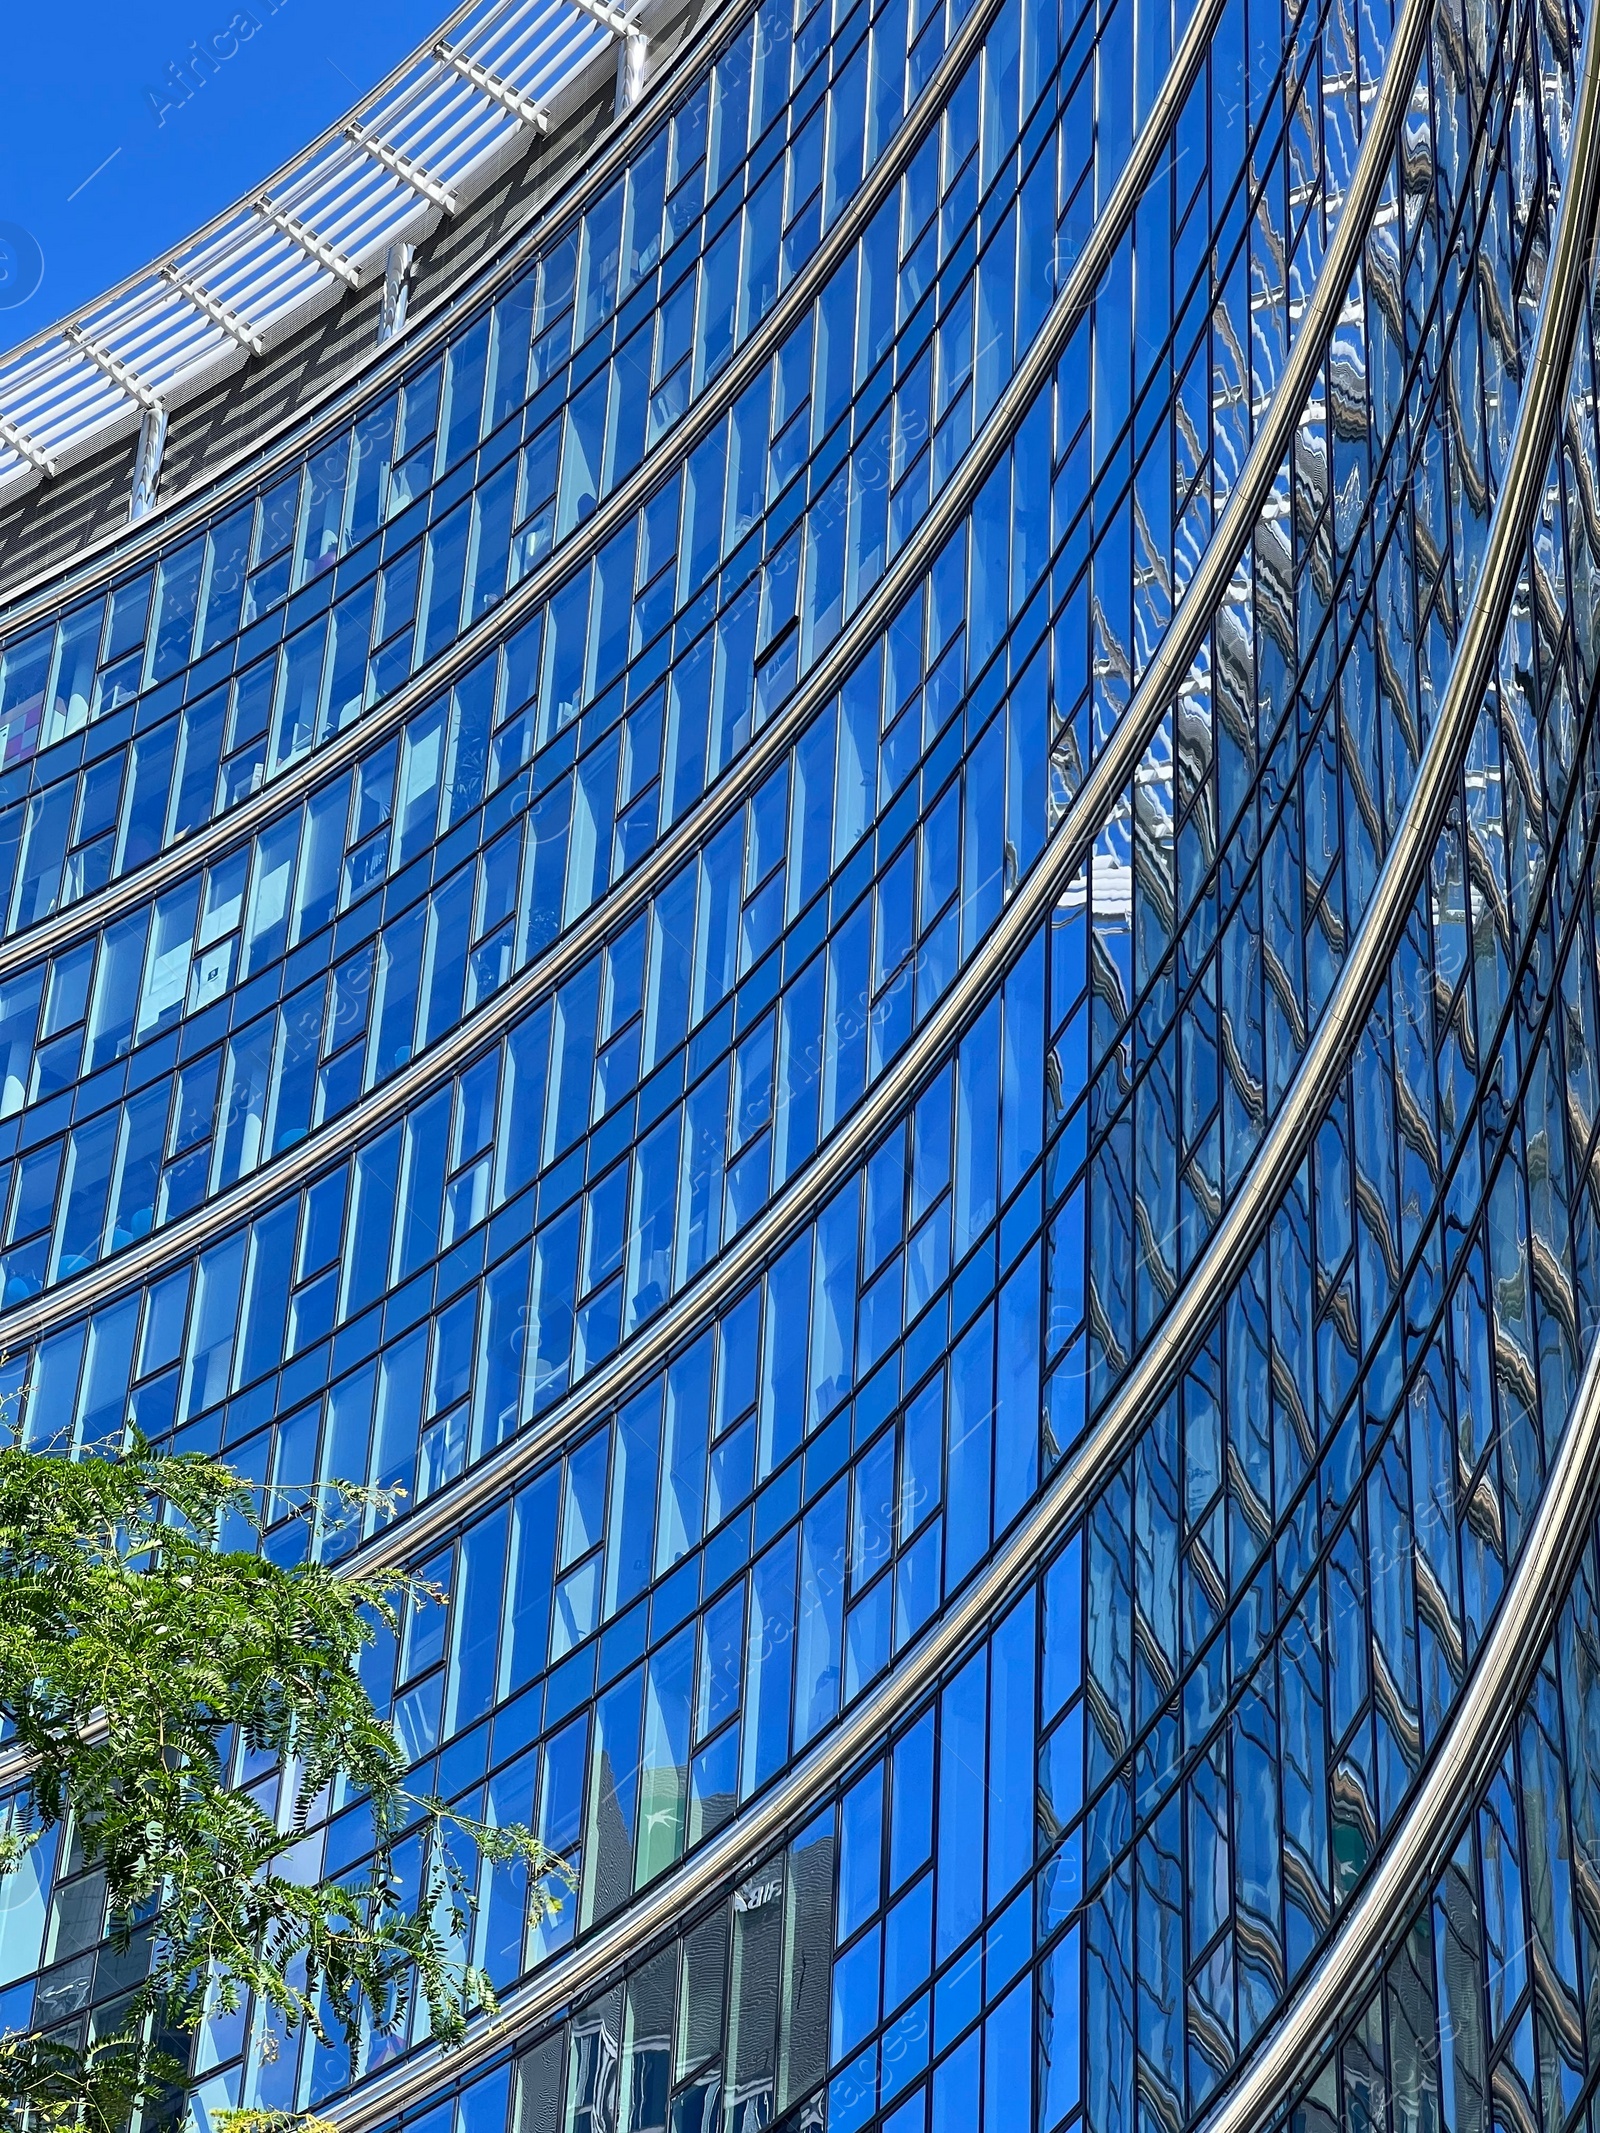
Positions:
(21, 265)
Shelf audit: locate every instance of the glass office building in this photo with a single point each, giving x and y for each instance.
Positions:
(832, 851)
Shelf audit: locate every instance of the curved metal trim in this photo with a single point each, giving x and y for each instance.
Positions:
(744, 1839)
(628, 131)
(39, 384)
(473, 1035)
(34, 597)
(1463, 1763)
(321, 765)
(741, 1843)
(1238, 1231)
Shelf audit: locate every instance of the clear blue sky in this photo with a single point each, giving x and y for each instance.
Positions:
(100, 187)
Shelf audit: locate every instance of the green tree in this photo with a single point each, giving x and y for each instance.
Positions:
(136, 1650)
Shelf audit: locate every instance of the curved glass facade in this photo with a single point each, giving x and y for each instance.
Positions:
(865, 922)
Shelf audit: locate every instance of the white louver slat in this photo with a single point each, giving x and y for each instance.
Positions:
(378, 178)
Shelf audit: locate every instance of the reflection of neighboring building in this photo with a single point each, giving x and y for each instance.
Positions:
(797, 802)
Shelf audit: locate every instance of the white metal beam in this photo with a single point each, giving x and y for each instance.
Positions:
(404, 167)
(433, 125)
(522, 108)
(612, 17)
(21, 442)
(301, 233)
(122, 375)
(202, 300)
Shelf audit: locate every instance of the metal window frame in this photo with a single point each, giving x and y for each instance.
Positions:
(435, 1067)
(432, 136)
(48, 935)
(1513, 1650)
(1516, 1641)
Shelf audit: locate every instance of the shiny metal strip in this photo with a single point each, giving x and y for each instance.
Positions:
(500, 1468)
(1462, 1765)
(1516, 1640)
(1532, 1585)
(472, 1035)
(741, 1843)
(1513, 1641)
(321, 764)
(37, 379)
(1236, 1234)
(1474, 1738)
(38, 596)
